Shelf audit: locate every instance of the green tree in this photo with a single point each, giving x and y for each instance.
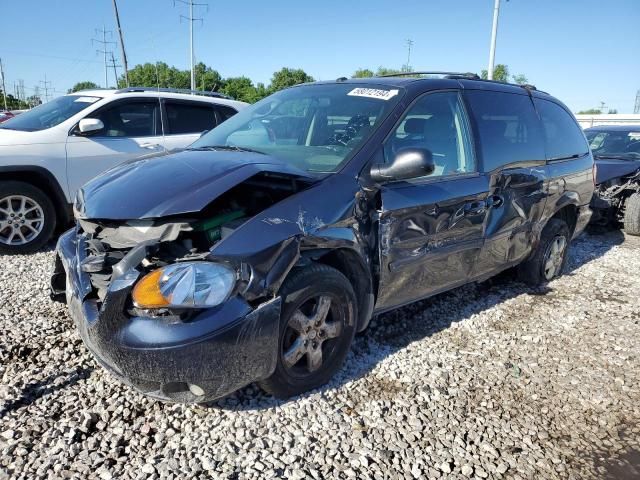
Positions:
(207, 79)
(387, 71)
(86, 85)
(158, 75)
(242, 88)
(14, 103)
(362, 73)
(501, 74)
(288, 77)
(591, 111)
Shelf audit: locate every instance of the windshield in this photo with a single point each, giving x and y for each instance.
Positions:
(49, 114)
(620, 143)
(313, 127)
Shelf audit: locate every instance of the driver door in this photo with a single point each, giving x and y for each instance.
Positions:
(132, 128)
(431, 228)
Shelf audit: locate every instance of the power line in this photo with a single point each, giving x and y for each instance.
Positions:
(191, 20)
(122, 50)
(104, 42)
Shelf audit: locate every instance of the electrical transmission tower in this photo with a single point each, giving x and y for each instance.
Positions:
(46, 87)
(104, 42)
(112, 64)
(636, 109)
(190, 18)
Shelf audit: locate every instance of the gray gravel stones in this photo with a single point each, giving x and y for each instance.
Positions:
(489, 381)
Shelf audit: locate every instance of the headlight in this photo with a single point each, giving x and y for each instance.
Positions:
(185, 285)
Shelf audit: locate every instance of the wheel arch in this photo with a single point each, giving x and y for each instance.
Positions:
(353, 266)
(44, 180)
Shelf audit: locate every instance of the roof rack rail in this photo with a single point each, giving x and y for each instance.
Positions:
(174, 90)
(469, 75)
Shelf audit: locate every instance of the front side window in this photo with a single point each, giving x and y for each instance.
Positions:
(183, 118)
(50, 114)
(508, 128)
(135, 119)
(622, 144)
(563, 136)
(436, 122)
(316, 128)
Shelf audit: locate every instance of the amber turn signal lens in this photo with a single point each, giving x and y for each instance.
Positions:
(147, 294)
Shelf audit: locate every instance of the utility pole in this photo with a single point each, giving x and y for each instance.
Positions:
(114, 66)
(46, 87)
(105, 52)
(636, 108)
(409, 45)
(122, 50)
(4, 90)
(191, 20)
(494, 34)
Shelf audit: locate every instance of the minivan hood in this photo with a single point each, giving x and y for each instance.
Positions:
(610, 168)
(172, 184)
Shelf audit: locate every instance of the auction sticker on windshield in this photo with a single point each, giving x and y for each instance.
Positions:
(373, 93)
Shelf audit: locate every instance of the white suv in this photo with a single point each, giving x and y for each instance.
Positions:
(49, 152)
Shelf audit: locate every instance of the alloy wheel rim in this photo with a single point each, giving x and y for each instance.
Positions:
(555, 257)
(21, 220)
(309, 335)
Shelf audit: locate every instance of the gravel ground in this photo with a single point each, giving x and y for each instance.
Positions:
(489, 381)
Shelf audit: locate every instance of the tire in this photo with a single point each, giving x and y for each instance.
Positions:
(632, 215)
(534, 270)
(36, 226)
(303, 292)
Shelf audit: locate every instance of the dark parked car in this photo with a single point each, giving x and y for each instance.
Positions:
(616, 149)
(6, 115)
(257, 253)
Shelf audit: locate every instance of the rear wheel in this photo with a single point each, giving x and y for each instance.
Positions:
(632, 215)
(27, 218)
(549, 258)
(317, 326)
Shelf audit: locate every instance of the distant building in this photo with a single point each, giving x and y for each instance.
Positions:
(589, 120)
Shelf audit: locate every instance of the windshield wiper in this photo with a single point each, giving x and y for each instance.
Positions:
(233, 148)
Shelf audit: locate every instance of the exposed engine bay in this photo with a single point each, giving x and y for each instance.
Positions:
(609, 197)
(170, 240)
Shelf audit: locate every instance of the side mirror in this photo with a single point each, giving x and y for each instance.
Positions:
(408, 163)
(90, 125)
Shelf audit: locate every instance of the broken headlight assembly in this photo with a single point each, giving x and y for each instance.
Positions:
(185, 285)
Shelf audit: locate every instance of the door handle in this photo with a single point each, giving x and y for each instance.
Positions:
(495, 201)
(474, 208)
(150, 146)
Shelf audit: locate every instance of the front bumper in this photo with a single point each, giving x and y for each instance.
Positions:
(213, 354)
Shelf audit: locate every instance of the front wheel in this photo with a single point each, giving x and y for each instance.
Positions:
(632, 215)
(317, 326)
(27, 218)
(549, 258)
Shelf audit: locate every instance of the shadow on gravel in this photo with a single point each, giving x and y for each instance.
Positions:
(394, 330)
(35, 390)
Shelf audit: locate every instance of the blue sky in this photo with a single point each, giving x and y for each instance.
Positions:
(582, 51)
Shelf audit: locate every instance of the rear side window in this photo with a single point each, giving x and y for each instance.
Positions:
(225, 112)
(508, 128)
(563, 136)
(183, 118)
